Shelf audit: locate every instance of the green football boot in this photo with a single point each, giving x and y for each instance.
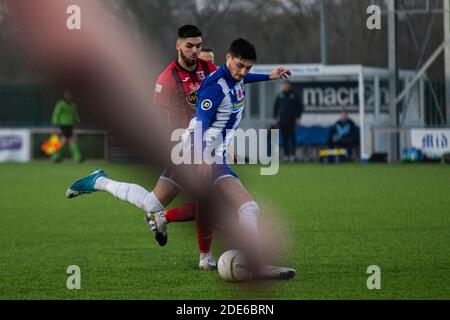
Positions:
(85, 185)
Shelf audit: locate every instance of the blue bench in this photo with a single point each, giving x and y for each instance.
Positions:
(311, 139)
(310, 136)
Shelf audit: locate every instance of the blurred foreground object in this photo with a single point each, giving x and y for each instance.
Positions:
(106, 67)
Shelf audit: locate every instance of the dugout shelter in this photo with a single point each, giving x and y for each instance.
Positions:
(326, 90)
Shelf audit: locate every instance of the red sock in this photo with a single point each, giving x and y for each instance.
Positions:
(185, 212)
(204, 232)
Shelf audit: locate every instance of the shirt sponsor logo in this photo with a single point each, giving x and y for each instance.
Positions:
(192, 98)
(206, 104)
(237, 106)
(158, 88)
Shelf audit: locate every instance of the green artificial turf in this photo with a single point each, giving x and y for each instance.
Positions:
(339, 220)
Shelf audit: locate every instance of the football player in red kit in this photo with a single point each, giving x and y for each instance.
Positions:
(176, 95)
(176, 92)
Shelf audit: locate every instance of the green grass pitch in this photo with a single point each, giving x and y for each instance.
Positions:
(341, 219)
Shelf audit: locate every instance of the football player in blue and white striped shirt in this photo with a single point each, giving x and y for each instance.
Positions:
(220, 104)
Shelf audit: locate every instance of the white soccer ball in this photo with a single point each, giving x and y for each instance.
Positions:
(232, 266)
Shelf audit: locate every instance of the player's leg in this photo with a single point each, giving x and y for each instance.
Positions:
(165, 191)
(167, 188)
(239, 200)
(132, 193)
(151, 202)
(183, 213)
(189, 212)
(234, 193)
(205, 221)
(155, 201)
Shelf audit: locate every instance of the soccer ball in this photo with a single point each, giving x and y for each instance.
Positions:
(232, 266)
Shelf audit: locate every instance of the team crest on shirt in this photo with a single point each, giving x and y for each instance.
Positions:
(201, 75)
(239, 94)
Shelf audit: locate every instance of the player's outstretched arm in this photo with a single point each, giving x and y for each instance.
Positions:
(280, 73)
(277, 73)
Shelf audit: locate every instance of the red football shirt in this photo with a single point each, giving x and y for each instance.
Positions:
(176, 91)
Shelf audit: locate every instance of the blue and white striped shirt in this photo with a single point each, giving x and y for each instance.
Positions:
(220, 104)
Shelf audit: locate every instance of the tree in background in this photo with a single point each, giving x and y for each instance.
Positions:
(284, 31)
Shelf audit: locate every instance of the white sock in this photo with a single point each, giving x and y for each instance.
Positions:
(131, 193)
(248, 217)
(100, 183)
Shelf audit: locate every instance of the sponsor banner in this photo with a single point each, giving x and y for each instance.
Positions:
(333, 97)
(432, 142)
(14, 145)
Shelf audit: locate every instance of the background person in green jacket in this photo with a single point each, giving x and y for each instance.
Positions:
(65, 116)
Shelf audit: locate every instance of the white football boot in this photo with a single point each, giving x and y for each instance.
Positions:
(268, 272)
(207, 263)
(158, 225)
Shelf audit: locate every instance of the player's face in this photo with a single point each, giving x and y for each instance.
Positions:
(238, 67)
(189, 49)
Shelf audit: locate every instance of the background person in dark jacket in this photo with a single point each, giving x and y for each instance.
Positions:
(343, 134)
(287, 113)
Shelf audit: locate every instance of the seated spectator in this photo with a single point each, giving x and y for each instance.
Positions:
(343, 134)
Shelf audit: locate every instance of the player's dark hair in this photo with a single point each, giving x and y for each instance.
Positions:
(206, 50)
(189, 31)
(241, 48)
